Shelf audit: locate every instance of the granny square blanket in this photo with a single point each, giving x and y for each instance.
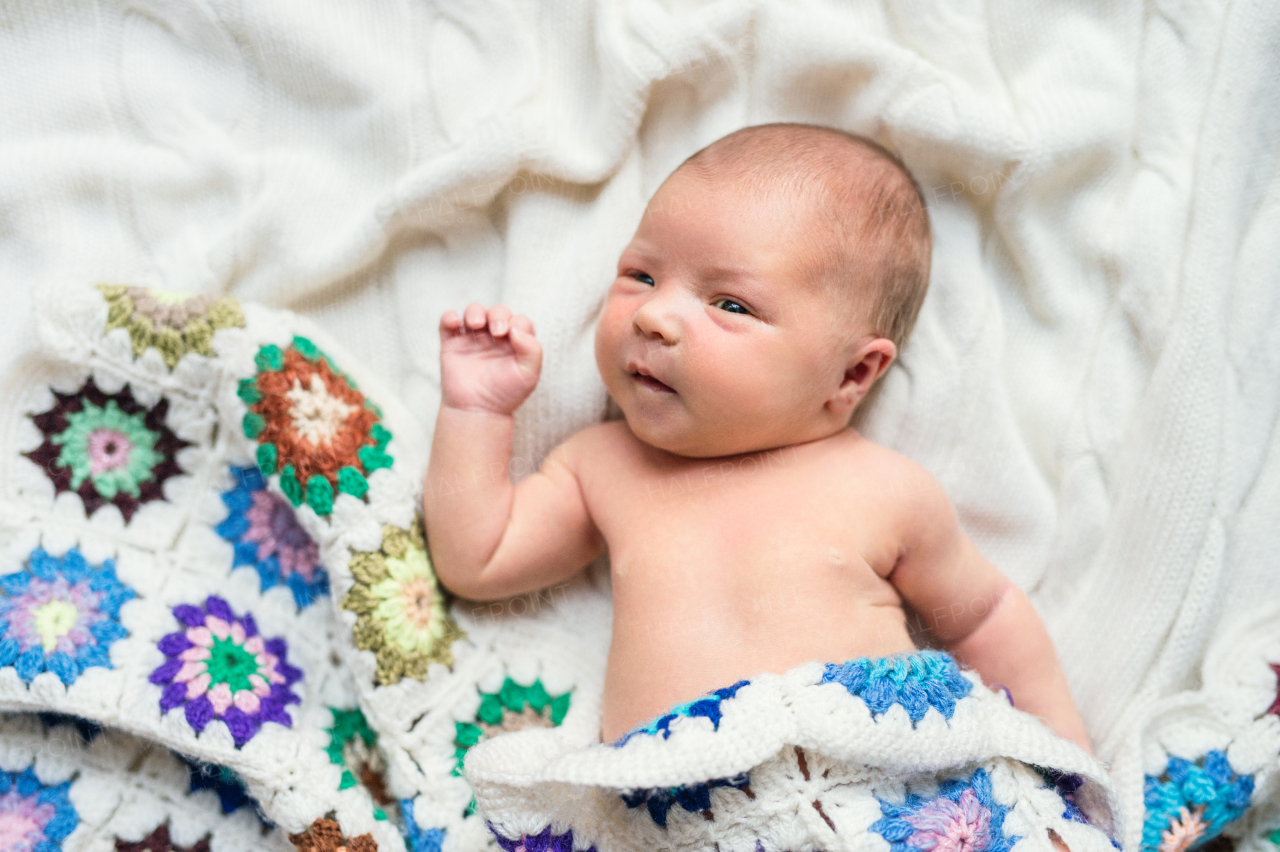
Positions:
(220, 630)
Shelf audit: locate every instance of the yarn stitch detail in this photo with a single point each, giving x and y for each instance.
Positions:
(417, 838)
(60, 615)
(107, 448)
(34, 817)
(1191, 803)
(353, 746)
(513, 707)
(692, 798)
(158, 841)
(962, 817)
(219, 667)
(1274, 709)
(401, 612)
(916, 681)
(312, 426)
(266, 535)
(708, 706)
(325, 835)
(544, 841)
(225, 783)
(171, 323)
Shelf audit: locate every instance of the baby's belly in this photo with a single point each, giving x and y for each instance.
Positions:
(665, 657)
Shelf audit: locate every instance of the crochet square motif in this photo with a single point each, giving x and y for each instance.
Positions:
(962, 817)
(107, 448)
(34, 817)
(219, 667)
(401, 612)
(267, 536)
(312, 425)
(60, 615)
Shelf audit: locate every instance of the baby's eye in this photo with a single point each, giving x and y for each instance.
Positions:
(643, 278)
(731, 306)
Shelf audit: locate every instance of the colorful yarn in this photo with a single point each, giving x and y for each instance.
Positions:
(312, 426)
(402, 616)
(107, 448)
(513, 707)
(1066, 785)
(158, 841)
(219, 667)
(225, 783)
(325, 835)
(544, 841)
(352, 746)
(916, 681)
(708, 706)
(266, 534)
(60, 615)
(1192, 802)
(1274, 709)
(417, 838)
(962, 817)
(34, 817)
(171, 323)
(693, 798)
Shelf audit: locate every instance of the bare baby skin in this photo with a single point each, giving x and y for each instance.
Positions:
(748, 527)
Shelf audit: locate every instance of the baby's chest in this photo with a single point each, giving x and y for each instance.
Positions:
(738, 525)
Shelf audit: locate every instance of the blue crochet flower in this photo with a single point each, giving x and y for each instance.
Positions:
(60, 615)
(266, 534)
(916, 681)
(34, 817)
(962, 817)
(707, 706)
(1193, 802)
(417, 838)
(693, 798)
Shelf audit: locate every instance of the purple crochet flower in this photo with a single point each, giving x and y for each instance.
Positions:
(219, 667)
(543, 841)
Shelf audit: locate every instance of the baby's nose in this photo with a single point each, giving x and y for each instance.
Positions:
(657, 321)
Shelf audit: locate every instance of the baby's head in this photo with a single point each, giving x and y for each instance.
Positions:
(774, 277)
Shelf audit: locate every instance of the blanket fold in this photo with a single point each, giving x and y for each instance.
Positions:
(909, 748)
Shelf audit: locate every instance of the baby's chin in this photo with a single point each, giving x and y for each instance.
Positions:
(701, 442)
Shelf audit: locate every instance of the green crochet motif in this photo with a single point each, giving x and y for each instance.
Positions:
(352, 745)
(513, 707)
(116, 451)
(401, 609)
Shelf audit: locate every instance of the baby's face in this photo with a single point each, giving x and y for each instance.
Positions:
(715, 340)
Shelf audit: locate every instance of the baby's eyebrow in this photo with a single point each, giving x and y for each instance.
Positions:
(715, 274)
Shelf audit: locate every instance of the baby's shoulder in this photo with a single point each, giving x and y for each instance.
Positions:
(892, 476)
(596, 443)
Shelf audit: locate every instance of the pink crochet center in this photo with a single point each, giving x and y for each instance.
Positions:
(22, 821)
(275, 529)
(108, 450)
(947, 826)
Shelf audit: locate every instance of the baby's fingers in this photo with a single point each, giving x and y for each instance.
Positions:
(499, 320)
(473, 316)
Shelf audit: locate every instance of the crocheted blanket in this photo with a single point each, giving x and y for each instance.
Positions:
(907, 749)
(220, 630)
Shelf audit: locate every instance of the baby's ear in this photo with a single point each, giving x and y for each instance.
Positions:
(865, 365)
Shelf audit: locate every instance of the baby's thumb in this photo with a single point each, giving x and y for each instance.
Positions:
(526, 346)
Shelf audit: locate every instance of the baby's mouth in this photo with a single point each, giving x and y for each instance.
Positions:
(651, 383)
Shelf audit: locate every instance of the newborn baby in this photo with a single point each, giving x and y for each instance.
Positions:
(773, 278)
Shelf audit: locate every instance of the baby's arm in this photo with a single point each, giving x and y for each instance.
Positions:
(488, 538)
(982, 618)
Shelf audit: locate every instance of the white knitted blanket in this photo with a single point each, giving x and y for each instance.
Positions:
(1093, 379)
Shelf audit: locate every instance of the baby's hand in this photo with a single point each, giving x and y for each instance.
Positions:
(489, 361)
